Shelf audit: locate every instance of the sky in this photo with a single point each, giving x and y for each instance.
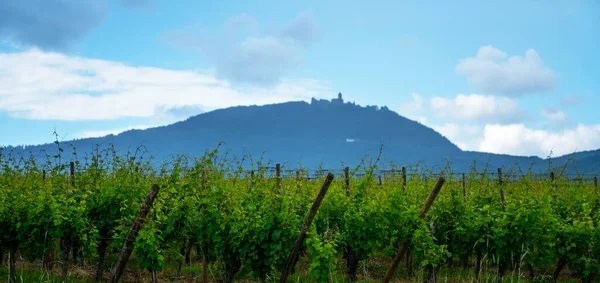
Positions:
(514, 77)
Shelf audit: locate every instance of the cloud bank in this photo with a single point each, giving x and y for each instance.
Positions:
(492, 71)
(497, 125)
(478, 108)
(521, 140)
(42, 85)
(256, 60)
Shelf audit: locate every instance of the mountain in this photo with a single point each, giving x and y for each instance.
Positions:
(327, 132)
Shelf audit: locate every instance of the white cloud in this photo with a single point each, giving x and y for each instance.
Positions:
(520, 140)
(460, 133)
(496, 124)
(51, 86)
(414, 105)
(260, 60)
(465, 136)
(492, 71)
(413, 109)
(478, 108)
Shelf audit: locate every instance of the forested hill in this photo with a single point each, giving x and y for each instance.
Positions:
(327, 132)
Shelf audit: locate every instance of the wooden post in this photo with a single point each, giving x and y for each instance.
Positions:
(73, 242)
(66, 243)
(500, 268)
(298, 179)
(101, 256)
(204, 247)
(596, 182)
(278, 175)
(432, 196)
(132, 235)
(204, 186)
(347, 181)
(72, 167)
(43, 174)
(500, 176)
(12, 261)
(403, 178)
(501, 189)
(553, 184)
(351, 260)
(309, 218)
(65, 246)
(463, 185)
(404, 247)
(409, 266)
(562, 262)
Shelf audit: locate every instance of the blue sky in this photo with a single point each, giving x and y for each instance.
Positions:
(517, 77)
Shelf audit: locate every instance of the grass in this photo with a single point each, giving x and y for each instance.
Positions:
(28, 275)
(369, 271)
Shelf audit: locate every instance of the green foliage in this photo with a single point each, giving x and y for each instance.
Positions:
(322, 250)
(214, 205)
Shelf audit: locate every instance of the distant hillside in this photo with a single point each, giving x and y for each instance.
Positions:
(328, 132)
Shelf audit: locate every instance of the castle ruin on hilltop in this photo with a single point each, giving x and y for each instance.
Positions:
(335, 101)
(340, 101)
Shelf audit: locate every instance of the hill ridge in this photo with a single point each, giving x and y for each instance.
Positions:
(320, 132)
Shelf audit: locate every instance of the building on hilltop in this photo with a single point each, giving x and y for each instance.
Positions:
(339, 100)
(322, 102)
(335, 101)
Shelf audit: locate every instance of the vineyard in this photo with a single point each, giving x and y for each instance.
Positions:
(229, 219)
